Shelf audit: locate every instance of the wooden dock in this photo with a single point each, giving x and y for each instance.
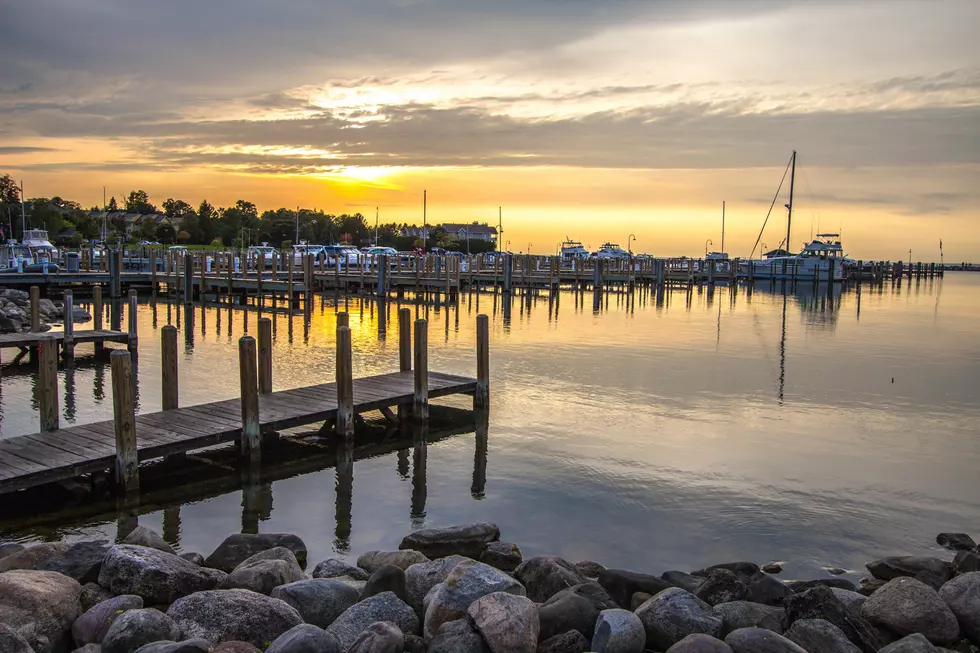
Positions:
(25, 341)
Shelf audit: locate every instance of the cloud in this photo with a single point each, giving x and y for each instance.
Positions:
(17, 149)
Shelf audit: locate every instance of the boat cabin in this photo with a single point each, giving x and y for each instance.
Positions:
(824, 246)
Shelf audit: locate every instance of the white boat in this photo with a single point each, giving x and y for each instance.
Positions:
(302, 250)
(14, 255)
(572, 250)
(260, 254)
(37, 241)
(611, 251)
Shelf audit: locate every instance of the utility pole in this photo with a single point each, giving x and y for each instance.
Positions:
(377, 212)
(723, 226)
(296, 240)
(424, 202)
(789, 217)
(23, 218)
(500, 226)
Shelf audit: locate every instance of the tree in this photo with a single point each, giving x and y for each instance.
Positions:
(235, 219)
(176, 209)
(113, 206)
(139, 202)
(45, 215)
(148, 229)
(9, 190)
(166, 232)
(183, 236)
(353, 227)
(205, 221)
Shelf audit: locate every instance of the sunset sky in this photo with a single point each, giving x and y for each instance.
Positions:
(591, 119)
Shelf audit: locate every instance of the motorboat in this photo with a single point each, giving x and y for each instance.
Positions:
(612, 251)
(37, 241)
(572, 250)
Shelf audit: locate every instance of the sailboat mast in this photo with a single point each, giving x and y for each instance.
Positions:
(789, 215)
(723, 226)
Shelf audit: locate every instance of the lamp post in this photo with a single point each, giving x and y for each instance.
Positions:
(629, 244)
(507, 246)
(424, 203)
(467, 232)
(529, 249)
(706, 243)
(377, 213)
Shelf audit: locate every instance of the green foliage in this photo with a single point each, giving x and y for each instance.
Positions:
(139, 202)
(112, 206)
(44, 214)
(217, 243)
(166, 233)
(9, 190)
(183, 236)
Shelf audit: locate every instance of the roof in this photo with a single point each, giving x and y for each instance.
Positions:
(470, 228)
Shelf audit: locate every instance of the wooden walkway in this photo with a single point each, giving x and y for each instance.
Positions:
(28, 340)
(39, 458)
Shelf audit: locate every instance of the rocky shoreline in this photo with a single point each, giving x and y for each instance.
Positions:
(462, 590)
(15, 312)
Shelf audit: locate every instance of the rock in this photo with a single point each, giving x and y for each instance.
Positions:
(134, 628)
(458, 636)
(673, 614)
(956, 541)
(589, 569)
(32, 556)
(386, 578)
(187, 646)
(621, 585)
(143, 536)
(265, 571)
(380, 637)
(466, 583)
(570, 642)
(11, 642)
(40, 606)
(468, 540)
(912, 644)
(899, 566)
(89, 648)
(93, 594)
(10, 548)
(94, 623)
(159, 577)
(962, 595)
(193, 557)
(618, 631)
(819, 636)
(381, 607)
(835, 571)
(421, 577)
(544, 576)
(700, 643)
(235, 647)
(869, 586)
(934, 581)
(575, 608)
(965, 562)
(225, 615)
(508, 623)
(638, 599)
(414, 644)
(760, 640)
(82, 561)
(745, 614)
(681, 579)
(332, 568)
(851, 600)
(744, 570)
(721, 586)
(402, 559)
(305, 638)
(820, 603)
(905, 606)
(318, 600)
(767, 590)
(239, 547)
(804, 585)
(502, 555)
(772, 567)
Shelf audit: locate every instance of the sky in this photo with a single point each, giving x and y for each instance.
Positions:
(596, 120)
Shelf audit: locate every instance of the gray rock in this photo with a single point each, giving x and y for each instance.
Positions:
(193, 557)
(760, 640)
(638, 599)
(187, 646)
(82, 561)
(869, 586)
(159, 577)
(11, 642)
(619, 631)
(589, 569)
(744, 570)
(721, 586)
(466, 583)
(10, 548)
(318, 600)
(700, 643)
(965, 562)
(851, 600)
(89, 648)
(382, 607)
(458, 636)
(380, 637)
(508, 623)
(32, 556)
(673, 614)
(962, 595)
(421, 577)
(402, 559)
(956, 541)
(544, 576)
(94, 623)
(135, 628)
(93, 594)
(915, 643)
(772, 567)
(502, 555)
(233, 646)
(575, 608)
(237, 548)
(467, 540)
(39, 606)
(804, 585)
(745, 614)
(819, 636)
(767, 590)
(414, 644)
(277, 553)
(143, 536)
(905, 606)
(332, 568)
(820, 603)
(305, 638)
(239, 615)
(386, 578)
(681, 579)
(621, 585)
(570, 642)
(265, 571)
(900, 566)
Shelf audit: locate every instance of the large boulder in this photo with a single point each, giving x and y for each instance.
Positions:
(621, 585)
(39, 606)
(159, 577)
(721, 586)
(12, 642)
(372, 560)
(93, 594)
(82, 561)
(380, 637)
(900, 566)
(458, 636)
(143, 536)
(382, 607)
(239, 615)
(234, 646)
(508, 623)
(760, 640)
(682, 579)
(186, 646)
(851, 600)
(767, 590)
(905, 606)
(468, 540)
(467, 582)
(239, 547)
(799, 586)
(423, 576)
(318, 600)
(10, 548)
(265, 571)
(32, 556)
(673, 614)
(966, 561)
(744, 570)
(544, 576)
(819, 636)
(618, 631)
(503, 555)
(962, 595)
(575, 608)
(745, 614)
(332, 568)
(305, 638)
(700, 643)
(94, 623)
(911, 644)
(820, 603)
(956, 541)
(570, 642)
(386, 578)
(135, 628)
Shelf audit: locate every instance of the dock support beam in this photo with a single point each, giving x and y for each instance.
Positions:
(420, 408)
(482, 396)
(404, 350)
(35, 309)
(188, 278)
(97, 315)
(265, 355)
(168, 360)
(47, 382)
(127, 473)
(345, 383)
(251, 442)
(133, 341)
(68, 344)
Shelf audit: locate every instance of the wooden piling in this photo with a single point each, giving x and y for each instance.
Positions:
(124, 421)
(251, 439)
(482, 396)
(420, 408)
(133, 342)
(47, 382)
(68, 344)
(168, 360)
(97, 315)
(405, 339)
(265, 355)
(343, 319)
(188, 278)
(345, 383)
(35, 309)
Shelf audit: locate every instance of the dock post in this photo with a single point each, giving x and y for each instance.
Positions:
(133, 341)
(47, 382)
(68, 344)
(265, 355)
(482, 396)
(35, 309)
(153, 269)
(343, 319)
(251, 441)
(404, 350)
(97, 315)
(382, 264)
(420, 409)
(127, 473)
(345, 384)
(508, 271)
(188, 278)
(114, 282)
(168, 360)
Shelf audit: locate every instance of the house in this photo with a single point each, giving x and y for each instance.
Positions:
(474, 231)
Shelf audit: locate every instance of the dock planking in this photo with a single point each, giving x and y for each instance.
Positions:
(40, 458)
(28, 340)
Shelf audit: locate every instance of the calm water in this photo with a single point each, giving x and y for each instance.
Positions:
(647, 435)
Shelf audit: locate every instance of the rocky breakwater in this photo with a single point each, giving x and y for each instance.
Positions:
(15, 312)
(464, 591)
